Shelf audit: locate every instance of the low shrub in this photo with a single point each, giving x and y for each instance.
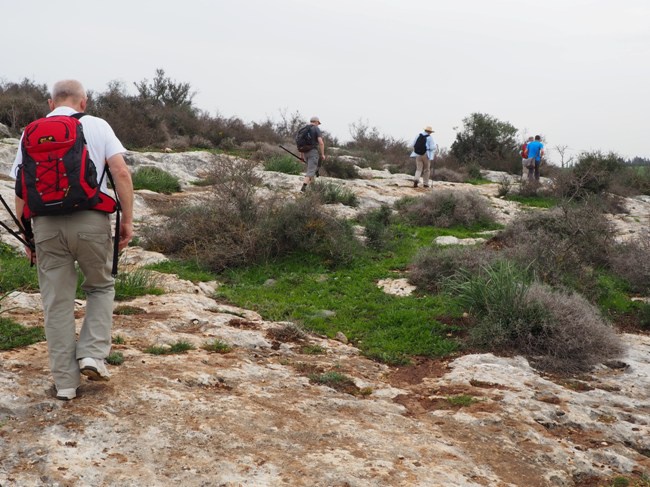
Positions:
(433, 266)
(284, 164)
(217, 346)
(155, 179)
(377, 227)
(562, 246)
(557, 331)
(337, 167)
(333, 193)
(446, 209)
(115, 358)
(630, 261)
(450, 175)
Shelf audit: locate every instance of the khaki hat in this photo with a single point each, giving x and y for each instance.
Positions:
(314, 120)
(428, 129)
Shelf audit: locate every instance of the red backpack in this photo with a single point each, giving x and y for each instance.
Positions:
(524, 151)
(57, 175)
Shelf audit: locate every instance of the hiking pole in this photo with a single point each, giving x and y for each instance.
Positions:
(12, 232)
(17, 235)
(294, 155)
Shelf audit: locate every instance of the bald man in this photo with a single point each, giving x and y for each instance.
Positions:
(83, 237)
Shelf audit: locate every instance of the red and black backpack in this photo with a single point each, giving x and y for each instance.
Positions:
(57, 175)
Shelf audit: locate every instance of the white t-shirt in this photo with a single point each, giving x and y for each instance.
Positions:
(100, 138)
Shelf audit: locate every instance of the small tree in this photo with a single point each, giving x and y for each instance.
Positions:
(485, 139)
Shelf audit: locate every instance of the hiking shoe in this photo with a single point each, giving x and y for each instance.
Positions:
(65, 394)
(94, 369)
(304, 188)
(425, 185)
(415, 184)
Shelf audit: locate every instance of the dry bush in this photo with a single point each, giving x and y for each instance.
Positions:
(571, 337)
(450, 175)
(446, 209)
(631, 261)
(560, 244)
(233, 227)
(434, 265)
(337, 167)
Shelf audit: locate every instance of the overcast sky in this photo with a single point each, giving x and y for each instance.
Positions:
(575, 71)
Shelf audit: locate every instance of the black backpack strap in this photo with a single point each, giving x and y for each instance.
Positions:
(77, 115)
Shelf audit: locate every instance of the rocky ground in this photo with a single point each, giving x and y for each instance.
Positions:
(252, 417)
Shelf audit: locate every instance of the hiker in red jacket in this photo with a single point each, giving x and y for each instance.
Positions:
(524, 158)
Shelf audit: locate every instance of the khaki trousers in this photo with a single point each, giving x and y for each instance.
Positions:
(83, 237)
(422, 167)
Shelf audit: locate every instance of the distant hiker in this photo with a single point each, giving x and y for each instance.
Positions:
(524, 158)
(311, 146)
(424, 149)
(535, 153)
(68, 231)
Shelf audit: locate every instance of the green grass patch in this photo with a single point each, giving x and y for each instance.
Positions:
(115, 358)
(325, 300)
(15, 271)
(461, 400)
(188, 270)
(312, 350)
(139, 282)
(478, 181)
(14, 335)
(217, 346)
(284, 164)
(155, 179)
(534, 201)
(118, 340)
(612, 294)
(334, 193)
(175, 348)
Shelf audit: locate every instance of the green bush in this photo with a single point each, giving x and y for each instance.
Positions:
(336, 167)
(562, 246)
(377, 227)
(433, 266)
(284, 164)
(557, 331)
(155, 179)
(333, 193)
(446, 209)
(593, 174)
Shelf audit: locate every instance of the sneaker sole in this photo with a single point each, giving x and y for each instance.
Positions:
(93, 374)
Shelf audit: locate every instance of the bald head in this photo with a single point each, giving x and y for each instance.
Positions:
(68, 92)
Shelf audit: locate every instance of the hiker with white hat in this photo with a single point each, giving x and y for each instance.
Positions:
(424, 149)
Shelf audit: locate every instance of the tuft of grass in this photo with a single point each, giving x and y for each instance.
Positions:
(139, 282)
(312, 350)
(180, 347)
(334, 193)
(126, 310)
(155, 179)
(284, 164)
(461, 400)
(217, 346)
(118, 340)
(335, 380)
(115, 358)
(174, 348)
(14, 335)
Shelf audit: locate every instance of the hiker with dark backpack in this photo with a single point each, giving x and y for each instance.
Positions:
(310, 144)
(424, 149)
(61, 170)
